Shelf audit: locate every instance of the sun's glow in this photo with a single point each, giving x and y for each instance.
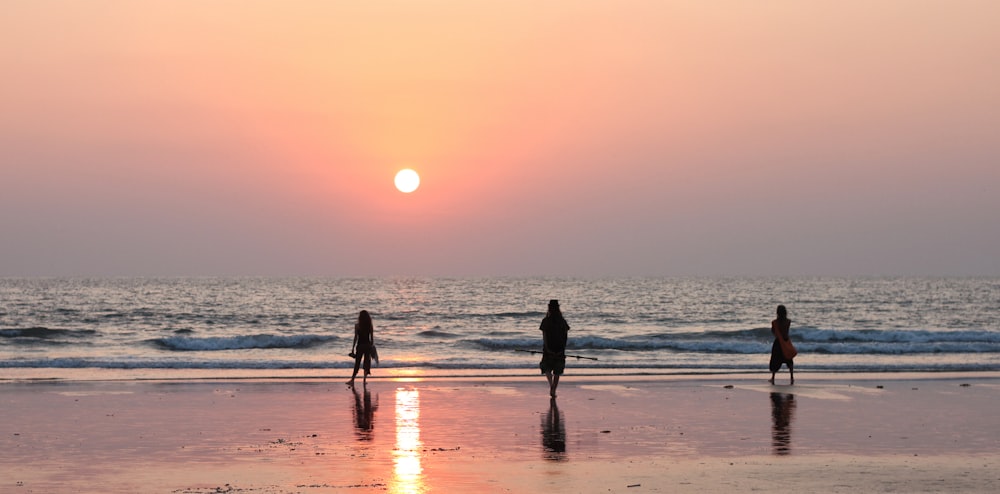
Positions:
(406, 456)
(407, 180)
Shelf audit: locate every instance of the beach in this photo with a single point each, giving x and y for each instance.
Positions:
(848, 433)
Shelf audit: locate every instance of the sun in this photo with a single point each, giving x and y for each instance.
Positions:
(407, 180)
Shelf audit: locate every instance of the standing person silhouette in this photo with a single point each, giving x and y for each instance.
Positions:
(363, 348)
(780, 327)
(554, 335)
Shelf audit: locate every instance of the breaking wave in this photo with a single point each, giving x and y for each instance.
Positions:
(262, 341)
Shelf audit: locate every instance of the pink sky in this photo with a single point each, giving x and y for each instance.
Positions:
(567, 138)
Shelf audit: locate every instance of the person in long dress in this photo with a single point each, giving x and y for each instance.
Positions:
(780, 327)
(363, 348)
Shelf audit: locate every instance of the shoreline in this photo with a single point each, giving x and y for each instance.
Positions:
(923, 433)
(22, 375)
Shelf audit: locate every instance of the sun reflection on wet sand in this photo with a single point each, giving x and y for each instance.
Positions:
(406, 457)
(406, 375)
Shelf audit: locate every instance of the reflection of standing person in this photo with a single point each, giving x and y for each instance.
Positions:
(554, 335)
(780, 327)
(782, 409)
(364, 415)
(363, 348)
(554, 433)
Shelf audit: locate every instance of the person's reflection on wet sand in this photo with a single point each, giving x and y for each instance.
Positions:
(553, 433)
(782, 410)
(364, 414)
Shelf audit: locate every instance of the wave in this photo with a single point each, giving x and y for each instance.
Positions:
(45, 333)
(84, 363)
(462, 316)
(431, 333)
(759, 340)
(532, 314)
(258, 341)
(628, 345)
(905, 336)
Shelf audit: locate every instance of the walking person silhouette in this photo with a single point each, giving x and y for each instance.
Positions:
(555, 331)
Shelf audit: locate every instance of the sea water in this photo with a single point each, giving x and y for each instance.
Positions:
(267, 327)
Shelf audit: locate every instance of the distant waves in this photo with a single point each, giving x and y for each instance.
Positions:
(45, 333)
(262, 341)
(758, 341)
(698, 325)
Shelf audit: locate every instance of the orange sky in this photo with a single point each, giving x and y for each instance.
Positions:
(583, 138)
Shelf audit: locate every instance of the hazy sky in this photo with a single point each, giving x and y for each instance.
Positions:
(566, 138)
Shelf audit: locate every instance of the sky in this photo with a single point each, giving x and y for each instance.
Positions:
(582, 138)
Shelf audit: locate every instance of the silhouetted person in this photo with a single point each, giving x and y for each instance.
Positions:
(780, 327)
(782, 409)
(363, 348)
(553, 433)
(555, 331)
(364, 414)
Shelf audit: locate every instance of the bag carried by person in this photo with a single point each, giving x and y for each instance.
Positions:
(787, 349)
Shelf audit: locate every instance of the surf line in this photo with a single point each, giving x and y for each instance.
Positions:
(574, 356)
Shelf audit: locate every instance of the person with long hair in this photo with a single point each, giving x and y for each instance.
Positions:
(363, 348)
(782, 351)
(555, 331)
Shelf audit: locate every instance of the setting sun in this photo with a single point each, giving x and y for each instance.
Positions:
(407, 180)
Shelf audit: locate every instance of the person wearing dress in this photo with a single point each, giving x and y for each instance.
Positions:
(779, 328)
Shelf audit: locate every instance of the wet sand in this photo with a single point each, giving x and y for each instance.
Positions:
(602, 434)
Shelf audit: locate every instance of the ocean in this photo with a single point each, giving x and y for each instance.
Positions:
(80, 328)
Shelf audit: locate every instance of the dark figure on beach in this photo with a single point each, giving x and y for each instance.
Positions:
(779, 349)
(782, 409)
(363, 348)
(364, 415)
(554, 335)
(554, 433)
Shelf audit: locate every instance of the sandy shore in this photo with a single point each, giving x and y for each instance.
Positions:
(666, 434)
